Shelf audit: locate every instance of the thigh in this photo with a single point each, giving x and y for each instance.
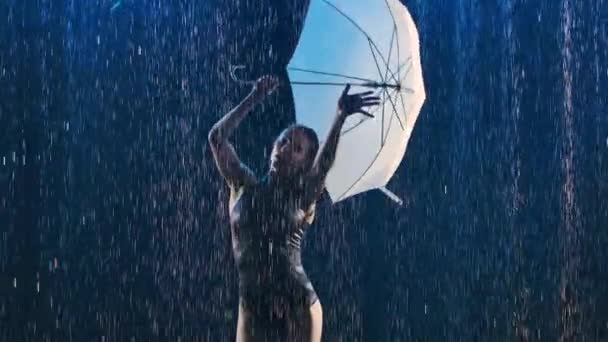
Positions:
(252, 327)
(305, 326)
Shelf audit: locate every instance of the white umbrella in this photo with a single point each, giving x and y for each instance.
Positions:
(369, 44)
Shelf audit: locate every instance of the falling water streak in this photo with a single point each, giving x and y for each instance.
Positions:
(515, 75)
(467, 36)
(569, 306)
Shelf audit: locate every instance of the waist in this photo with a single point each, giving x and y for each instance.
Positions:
(271, 271)
(274, 275)
(268, 253)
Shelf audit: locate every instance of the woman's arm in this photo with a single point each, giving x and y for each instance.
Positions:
(347, 105)
(226, 158)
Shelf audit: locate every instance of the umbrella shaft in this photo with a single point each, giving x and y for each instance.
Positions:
(367, 84)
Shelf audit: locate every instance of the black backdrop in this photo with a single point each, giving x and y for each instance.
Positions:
(113, 219)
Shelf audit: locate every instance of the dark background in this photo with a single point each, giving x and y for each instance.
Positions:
(113, 219)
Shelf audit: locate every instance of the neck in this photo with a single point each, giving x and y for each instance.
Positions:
(284, 182)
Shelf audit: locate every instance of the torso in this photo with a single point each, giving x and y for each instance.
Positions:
(267, 227)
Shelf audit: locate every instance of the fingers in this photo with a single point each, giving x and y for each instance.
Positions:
(346, 89)
(370, 99)
(268, 79)
(365, 113)
(369, 104)
(267, 84)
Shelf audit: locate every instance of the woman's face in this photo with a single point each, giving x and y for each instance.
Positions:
(291, 152)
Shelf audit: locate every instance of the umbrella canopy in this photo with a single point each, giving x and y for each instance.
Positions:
(369, 44)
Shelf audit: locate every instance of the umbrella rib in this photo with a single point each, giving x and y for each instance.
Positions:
(392, 74)
(330, 74)
(375, 157)
(370, 164)
(390, 52)
(375, 59)
(352, 128)
(403, 106)
(383, 142)
(363, 174)
(369, 39)
(359, 28)
(377, 153)
(348, 18)
(396, 112)
(383, 108)
(400, 66)
(395, 31)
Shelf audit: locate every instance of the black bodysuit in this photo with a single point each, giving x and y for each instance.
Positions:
(268, 224)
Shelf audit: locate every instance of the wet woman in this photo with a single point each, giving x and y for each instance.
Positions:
(269, 216)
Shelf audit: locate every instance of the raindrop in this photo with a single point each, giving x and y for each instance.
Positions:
(98, 40)
(14, 157)
(67, 125)
(116, 5)
(139, 50)
(426, 309)
(15, 282)
(38, 286)
(445, 189)
(23, 159)
(4, 158)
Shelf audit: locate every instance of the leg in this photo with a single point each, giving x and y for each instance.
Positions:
(242, 335)
(316, 318)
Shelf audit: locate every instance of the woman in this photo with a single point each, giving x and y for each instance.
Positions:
(269, 216)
